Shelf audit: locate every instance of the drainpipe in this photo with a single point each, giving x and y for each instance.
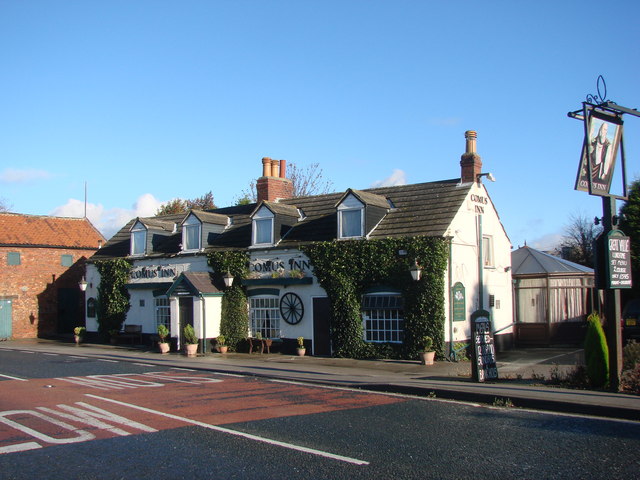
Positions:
(450, 296)
(480, 266)
(204, 326)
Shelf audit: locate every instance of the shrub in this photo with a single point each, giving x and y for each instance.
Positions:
(163, 332)
(596, 352)
(190, 335)
(630, 380)
(427, 344)
(630, 355)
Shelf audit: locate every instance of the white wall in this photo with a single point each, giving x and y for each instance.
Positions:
(464, 231)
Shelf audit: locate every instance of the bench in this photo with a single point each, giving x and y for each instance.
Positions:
(133, 333)
(262, 342)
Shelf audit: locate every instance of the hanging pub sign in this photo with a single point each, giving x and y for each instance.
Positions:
(599, 152)
(613, 266)
(483, 349)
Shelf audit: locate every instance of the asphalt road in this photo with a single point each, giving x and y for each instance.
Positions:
(64, 416)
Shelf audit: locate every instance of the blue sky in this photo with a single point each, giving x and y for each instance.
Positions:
(149, 100)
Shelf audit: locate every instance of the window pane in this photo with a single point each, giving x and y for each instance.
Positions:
(163, 312)
(263, 231)
(192, 237)
(66, 260)
(383, 318)
(13, 258)
(138, 239)
(351, 223)
(264, 314)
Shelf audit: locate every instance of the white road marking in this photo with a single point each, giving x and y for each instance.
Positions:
(248, 436)
(144, 365)
(108, 361)
(20, 447)
(14, 378)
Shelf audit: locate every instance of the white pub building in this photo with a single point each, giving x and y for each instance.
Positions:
(172, 283)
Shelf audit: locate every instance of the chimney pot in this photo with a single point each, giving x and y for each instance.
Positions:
(471, 137)
(275, 168)
(470, 162)
(283, 169)
(266, 167)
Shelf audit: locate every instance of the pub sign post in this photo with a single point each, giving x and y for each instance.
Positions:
(603, 136)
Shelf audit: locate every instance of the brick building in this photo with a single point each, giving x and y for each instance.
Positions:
(43, 259)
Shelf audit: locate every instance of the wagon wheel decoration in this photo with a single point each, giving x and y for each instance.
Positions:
(291, 308)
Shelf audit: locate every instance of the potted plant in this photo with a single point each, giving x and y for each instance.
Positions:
(220, 342)
(301, 348)
(427, 354)
(190, 340)
(163, 333)
(78, 334)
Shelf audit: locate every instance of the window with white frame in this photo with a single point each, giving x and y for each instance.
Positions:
(262, 224)
(350, 218)
(383, 317)
(163, 312)
(264, 313)
(138, 240)
(191, 236)
(487, 251)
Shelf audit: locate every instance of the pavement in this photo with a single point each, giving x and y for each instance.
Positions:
(521, 384)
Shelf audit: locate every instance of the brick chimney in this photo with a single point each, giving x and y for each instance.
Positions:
(470, 163)
(273, 184)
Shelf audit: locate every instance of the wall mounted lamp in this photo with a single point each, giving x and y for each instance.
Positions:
(489, 176)
(416, 272)
(228, 279)
(82, 284)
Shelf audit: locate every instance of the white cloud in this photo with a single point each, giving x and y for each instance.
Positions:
(112, 220)
(397, 177)
(13, 175)
(547, 242)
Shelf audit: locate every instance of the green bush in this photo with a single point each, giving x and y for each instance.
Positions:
(190, 335)
(163, 332)
(596, 353)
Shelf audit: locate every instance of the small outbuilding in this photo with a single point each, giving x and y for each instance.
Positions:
(552, 298)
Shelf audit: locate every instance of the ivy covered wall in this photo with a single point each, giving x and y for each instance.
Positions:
(113, 296)
(234, 323)
(347, 269)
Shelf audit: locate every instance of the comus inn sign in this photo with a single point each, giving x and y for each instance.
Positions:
(261, 265)
(152, 272)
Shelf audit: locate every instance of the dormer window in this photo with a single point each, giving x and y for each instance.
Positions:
(138, 239)
(350, 218)
(191, 234)
(262, 224)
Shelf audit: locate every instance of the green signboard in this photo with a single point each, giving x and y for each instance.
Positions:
(459, 302)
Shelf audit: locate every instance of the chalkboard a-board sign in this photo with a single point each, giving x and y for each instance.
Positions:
(483, 349)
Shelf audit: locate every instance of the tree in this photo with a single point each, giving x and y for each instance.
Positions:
(577, 244)
(178, 205)
(4, 206)
(306, 181)
(630, 225)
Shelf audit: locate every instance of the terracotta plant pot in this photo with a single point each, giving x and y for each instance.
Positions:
(301, 352)
(77, 338)
(164, 347)
(192, 349)
(426, 358)
(223, 348)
